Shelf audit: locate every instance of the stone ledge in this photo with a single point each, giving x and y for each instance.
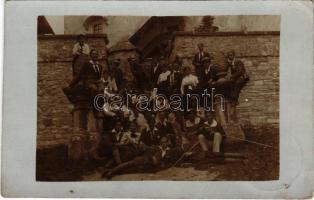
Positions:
(251, 33)
(71, 36)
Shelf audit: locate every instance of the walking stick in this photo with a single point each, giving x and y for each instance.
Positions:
(182, 156)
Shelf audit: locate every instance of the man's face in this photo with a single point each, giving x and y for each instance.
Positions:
(191, 116)
(133, 128)
(187, 71)
(162, 116)
(118, 126)
(209, 117)
(164, 68)
(175, 66)
(206, 63)
(230, 55)
(201, 47)
(164, 142)
(151, 123)
(94, 55)
(81, 40)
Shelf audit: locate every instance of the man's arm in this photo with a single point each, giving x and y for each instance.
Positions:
(86, 49)
(78, 76)
(75, 50)
(182, 86)
(195, 62)
(239, 67)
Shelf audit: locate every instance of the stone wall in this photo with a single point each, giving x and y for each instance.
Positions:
(259, 100)
(54, 118)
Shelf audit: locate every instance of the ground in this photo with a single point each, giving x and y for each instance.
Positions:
(262, 163)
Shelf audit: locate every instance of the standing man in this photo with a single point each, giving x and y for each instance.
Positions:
(156, 71)
(117, 73)
(237, 74)
(90, 73)
(198, 59)
(79, 48)
(138, 73)
(205, 75)
(175, 78)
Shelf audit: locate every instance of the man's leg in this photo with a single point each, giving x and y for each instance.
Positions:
(217, 142)
(116, 155)
(238, 85)
(203, 142)
(140, 160)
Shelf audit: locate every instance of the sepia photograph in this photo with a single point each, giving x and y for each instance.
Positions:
(142, 98)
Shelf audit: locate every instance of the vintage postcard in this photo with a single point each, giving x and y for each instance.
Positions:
(186, 98)
(158, 99)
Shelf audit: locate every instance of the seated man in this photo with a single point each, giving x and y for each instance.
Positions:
(210, 130)
(126, 141)
(192, 123)
(81, 47)
(153, 157)
(212, 134)
(150, 136)
(162, 123)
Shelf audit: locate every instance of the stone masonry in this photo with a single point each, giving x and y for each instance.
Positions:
(259, 100)
(54, 118)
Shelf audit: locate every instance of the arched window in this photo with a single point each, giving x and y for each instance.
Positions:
(95, 24)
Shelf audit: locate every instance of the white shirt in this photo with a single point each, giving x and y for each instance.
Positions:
(163, 151)
(190, 80)
(112, 85)
(77, 48)
(127, 139)
(207, 70)
(163, 76)
(189, 123)
(95, 66)
(155, 68)
(212, 124)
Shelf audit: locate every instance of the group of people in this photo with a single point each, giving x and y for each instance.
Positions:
(131, 138)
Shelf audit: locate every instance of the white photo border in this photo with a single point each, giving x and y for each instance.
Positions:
(20, 101)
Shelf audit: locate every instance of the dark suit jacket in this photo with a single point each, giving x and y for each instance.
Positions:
(139, 75)
(155, 74)
(87, 75)
(237, 69)
(118, 75)
(197, 61)
(150, 137)
(177, 81)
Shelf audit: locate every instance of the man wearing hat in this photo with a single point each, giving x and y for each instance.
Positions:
(198, 60)
(237, 74)
(205, 74)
